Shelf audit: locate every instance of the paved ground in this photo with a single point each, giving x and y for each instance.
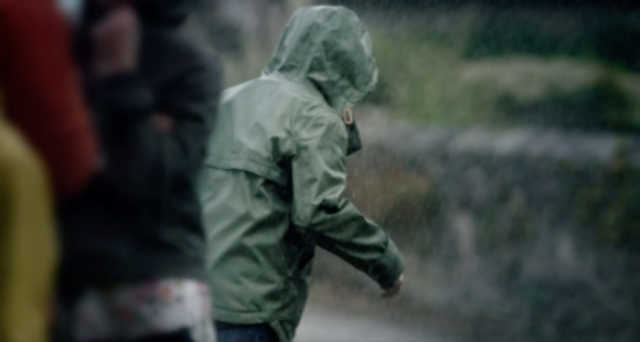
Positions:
(324, 325)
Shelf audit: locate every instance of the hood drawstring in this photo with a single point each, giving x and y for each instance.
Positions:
(347, 116)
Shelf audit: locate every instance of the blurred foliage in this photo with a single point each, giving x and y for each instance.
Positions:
(593, 36)
(616, 42)
(519, 32)
(430, 72)
(602, 105)
(417, 78)
(471, 66)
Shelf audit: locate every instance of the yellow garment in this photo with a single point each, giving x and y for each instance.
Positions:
(28, 246)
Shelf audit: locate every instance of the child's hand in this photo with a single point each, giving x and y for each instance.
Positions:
(395, 289)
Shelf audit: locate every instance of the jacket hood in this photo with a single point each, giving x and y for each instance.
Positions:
(329, 47)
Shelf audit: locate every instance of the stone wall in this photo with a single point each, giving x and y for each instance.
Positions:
(535, 230)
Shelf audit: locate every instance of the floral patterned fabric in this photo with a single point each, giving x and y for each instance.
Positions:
(126, 312)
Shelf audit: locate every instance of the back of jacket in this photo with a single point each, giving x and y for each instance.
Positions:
(256, 260)
(255, 129)
(274, 175)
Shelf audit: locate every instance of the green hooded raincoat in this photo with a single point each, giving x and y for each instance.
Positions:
(275, 171)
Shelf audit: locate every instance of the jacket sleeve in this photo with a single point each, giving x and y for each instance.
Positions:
(319, 177)
(141, 160)
(42, 92)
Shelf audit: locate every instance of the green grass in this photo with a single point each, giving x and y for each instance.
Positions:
(419, 81)
(604, 36)
(428, 77)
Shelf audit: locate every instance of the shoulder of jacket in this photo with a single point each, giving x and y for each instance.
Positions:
(314, 114)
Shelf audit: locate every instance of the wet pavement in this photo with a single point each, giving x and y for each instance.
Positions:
(320, 324)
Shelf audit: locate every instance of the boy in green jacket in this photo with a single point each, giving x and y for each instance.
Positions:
(274, 174)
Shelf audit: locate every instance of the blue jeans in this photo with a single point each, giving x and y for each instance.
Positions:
(245, 333)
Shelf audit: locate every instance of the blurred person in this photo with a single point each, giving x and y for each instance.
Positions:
(47, 151)
(42, 93)
(28, 251)
(274, 175)
(133, 243)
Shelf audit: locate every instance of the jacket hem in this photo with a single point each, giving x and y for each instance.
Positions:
(253, 317)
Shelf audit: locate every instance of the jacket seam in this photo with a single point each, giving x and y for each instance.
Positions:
(278, 177)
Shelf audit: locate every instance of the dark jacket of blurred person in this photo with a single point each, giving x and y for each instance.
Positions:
(45, 137)
(137, 228)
